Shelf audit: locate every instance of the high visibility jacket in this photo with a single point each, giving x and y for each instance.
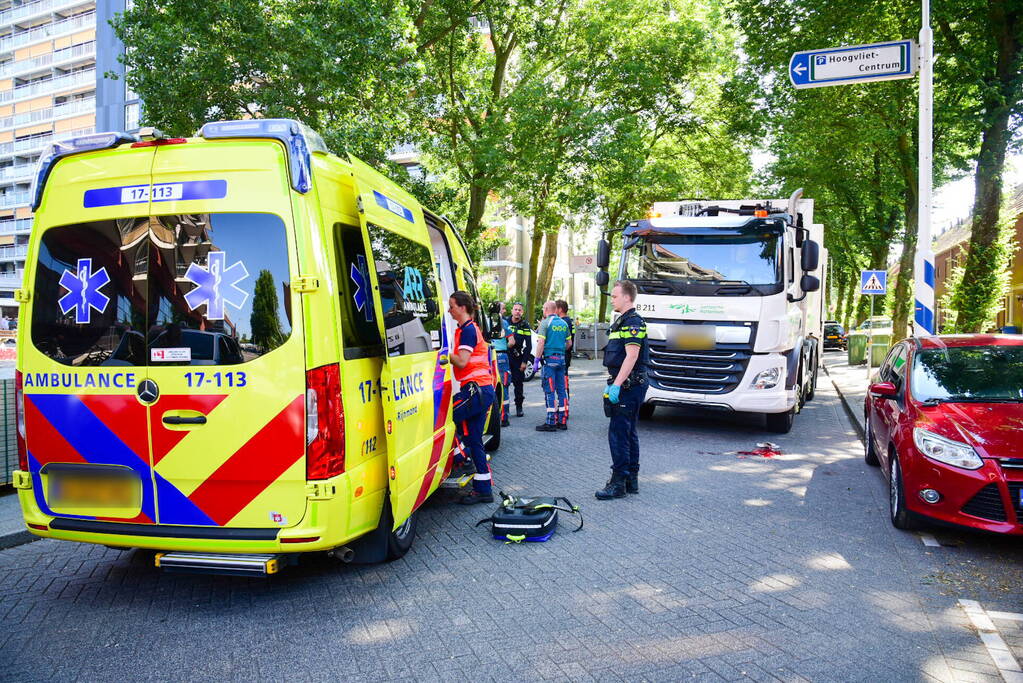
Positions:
(630, 328)
(478, 368)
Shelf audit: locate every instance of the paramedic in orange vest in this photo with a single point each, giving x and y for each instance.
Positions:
(471, 361)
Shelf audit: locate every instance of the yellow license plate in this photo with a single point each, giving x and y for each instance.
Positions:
(68, 490)
(832, 337)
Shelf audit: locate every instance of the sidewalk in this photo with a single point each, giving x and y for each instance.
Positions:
(851, 383)
(12, 526)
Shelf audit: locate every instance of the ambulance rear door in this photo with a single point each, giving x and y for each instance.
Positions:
(225, 373)
(415, 380)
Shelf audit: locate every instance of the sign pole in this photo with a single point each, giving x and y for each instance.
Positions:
(924, 262)
(870, 339)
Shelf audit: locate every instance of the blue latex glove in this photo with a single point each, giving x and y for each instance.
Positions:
(536, 365)
(612, 393)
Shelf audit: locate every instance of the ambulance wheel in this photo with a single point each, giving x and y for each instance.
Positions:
(400, 540)
(492, 437)
(646, 411)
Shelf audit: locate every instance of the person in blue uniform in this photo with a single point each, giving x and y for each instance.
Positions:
(551, 335)
(503, 338)
(626, 357)
(471, 361)
(519, 354)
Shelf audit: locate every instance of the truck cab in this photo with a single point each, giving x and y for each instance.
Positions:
(729, 291)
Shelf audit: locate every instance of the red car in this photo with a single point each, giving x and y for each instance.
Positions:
(944, 418)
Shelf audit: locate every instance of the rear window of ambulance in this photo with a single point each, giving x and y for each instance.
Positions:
(163, 290)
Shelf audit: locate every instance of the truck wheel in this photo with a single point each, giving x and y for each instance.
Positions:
(781, 423)
(646, 411)
(812, 391)
(494, 423)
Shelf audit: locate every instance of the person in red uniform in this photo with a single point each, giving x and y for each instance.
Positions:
(471, 361)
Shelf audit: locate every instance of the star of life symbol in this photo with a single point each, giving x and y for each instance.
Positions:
(83, 293)
(215, 285)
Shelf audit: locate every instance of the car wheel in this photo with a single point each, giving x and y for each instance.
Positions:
(529, 373)
(869, 452)
(646, 411)
(781, 423)
(900, 514)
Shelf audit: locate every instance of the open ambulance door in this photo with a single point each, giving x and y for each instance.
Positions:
(415, 380)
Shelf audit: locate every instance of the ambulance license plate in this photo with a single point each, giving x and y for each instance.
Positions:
(111, 487)
(692, 337)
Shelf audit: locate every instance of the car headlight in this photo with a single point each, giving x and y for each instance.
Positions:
(767, 379)
(945, 450)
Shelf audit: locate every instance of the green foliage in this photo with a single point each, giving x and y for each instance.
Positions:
(266, 326)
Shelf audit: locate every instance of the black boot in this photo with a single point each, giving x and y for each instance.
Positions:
(615, 488)
(506, 422)
(632, 483)
(518, 410)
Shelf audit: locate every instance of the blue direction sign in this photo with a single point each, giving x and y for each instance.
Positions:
(853, 64)
(873, 282)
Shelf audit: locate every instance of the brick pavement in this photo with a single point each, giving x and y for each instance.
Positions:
(723, 568)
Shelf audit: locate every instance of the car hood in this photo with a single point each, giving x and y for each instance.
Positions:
(994, 429)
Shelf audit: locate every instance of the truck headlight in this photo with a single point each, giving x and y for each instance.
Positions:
(767, 379)
(945, 450)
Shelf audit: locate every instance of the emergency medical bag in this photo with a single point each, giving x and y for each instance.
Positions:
(530, 518)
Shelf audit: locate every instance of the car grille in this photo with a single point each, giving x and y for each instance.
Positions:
(713, 371)
(1014, 489)
(987, 504)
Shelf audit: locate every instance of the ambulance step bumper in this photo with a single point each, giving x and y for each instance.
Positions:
(217, 563)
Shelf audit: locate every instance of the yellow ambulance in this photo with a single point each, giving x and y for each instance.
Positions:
(233, 348)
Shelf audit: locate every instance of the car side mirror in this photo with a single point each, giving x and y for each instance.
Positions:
(602, 278)
(603, 254)
(809, 283)
(810, 256)
(883, 389)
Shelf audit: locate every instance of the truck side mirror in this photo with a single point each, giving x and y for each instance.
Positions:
(809, 283)
(810, 257)
(602, 278)
(603, 254)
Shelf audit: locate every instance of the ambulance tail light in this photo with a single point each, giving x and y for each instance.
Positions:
(324, 423)
(19, 410)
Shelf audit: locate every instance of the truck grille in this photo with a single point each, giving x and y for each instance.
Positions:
(987, 504)
(714, 371)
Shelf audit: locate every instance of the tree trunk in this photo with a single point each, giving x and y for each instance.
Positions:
(903, 300)
(550, 257)
(979, 288)
(477, 206)
(529, 279)
(850, 300)
(842, 284)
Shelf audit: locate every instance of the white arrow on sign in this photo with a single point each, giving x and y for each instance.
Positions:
(799, 69)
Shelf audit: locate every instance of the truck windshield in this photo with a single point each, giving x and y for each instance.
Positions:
(751, 258)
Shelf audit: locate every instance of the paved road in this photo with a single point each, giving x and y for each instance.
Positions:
(724, 567)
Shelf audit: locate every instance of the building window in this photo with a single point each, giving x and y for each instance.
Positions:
(131, 116)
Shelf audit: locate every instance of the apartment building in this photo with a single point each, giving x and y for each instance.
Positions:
(53, 56)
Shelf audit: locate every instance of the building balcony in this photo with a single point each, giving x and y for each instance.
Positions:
(32, 9)
(11, 281)
(83, 106)
(47, 31)
(36, 144)
(14, 199)
(18, 173)
(15, 253)
(14, 226)
(55, 58)
(50, 86)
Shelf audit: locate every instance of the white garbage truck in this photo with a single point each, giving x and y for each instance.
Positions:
(731, 293)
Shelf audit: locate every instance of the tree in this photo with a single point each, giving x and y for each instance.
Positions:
(264, 321)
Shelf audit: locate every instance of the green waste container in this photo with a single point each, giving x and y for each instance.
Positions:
(857, 348)
(879, 348)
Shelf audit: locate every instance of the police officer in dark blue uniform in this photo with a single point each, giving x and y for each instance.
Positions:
(626, 357)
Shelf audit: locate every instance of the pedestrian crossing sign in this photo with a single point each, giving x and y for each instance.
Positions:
(873, 282)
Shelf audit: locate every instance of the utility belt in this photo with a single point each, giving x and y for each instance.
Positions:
(504, 351)
(630, 381)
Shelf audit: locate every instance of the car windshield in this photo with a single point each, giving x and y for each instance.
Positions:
(752, 258)
(833, 329)
(969, 373)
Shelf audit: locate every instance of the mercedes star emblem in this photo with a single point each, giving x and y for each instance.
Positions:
(148, 391)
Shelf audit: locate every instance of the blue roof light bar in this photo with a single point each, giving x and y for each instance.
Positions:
(62, 148)
(300, 141)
